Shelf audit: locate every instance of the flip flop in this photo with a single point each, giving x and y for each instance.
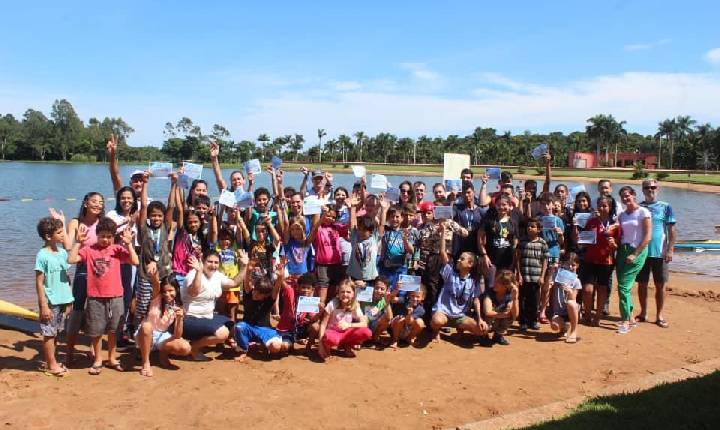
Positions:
(662, 323)
(640, 319)
(95, 370)
(115, 366)
(63, 372)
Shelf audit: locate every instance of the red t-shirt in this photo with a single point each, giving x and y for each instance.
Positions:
(287, 309)
(601, 252)
(103, 270)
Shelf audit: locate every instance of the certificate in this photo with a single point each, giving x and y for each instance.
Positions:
(379, 182)
(565, 277)
(243, 199)
(364, 294)
(548, 223)
(160, 170)
(539, 150)
(588, 237)
(227, 198)
(275, 162)
(409, 283)
(453, 185)
(572, 192)
(192, 170)
(307, 304)
(184, 181)
(453, 164)
(493, 172)
(312, 206)
(253, 166)
(581, 219)
(392, 194)
(443, 212)
(358, 171)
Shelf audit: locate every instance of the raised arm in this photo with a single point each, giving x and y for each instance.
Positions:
(444, 259)
(67, 240)
(548, 159)
(484, 199)
(303, 184)
(113, 165)
(314, 229)
(214, 152)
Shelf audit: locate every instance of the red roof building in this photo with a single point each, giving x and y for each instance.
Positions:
(587, 160)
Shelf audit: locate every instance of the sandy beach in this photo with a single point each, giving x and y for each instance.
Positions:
(436, 386)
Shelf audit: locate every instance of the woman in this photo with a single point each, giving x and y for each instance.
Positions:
(407, 194)
(237, 181)
(202, 287)
(635, 233)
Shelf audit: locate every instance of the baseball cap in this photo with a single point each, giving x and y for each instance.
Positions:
(318, 173)
(137, 172)
(426, 206)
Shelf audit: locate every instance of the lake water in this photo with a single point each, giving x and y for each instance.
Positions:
(62, 186)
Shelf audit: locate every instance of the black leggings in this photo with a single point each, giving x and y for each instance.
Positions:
(529, 297)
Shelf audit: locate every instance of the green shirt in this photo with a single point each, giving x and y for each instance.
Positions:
(54, 266)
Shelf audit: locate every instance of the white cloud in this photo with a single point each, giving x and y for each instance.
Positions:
(646, 46)
(713, 56)
(420, 71)
(347, 85)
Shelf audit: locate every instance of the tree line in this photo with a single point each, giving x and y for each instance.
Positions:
(679, 143)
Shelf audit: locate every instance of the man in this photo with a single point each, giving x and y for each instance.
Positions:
(660, 252)
(419, 191)
(469, 215)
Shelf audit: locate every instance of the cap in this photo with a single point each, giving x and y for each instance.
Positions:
(318, 173)
(137, 173)
(426, 206)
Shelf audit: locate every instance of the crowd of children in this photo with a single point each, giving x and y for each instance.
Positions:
(179, 276)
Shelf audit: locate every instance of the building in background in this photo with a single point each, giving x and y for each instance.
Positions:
(588, 160)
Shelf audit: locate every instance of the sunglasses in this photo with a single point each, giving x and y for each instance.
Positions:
(651, 187)
(404, 191)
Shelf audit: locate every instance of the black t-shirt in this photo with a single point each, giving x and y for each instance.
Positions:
(499, 242)
(257, 312)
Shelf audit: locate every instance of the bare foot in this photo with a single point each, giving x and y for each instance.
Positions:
(436, 338)
(393, 345)
(241, 358)
(147, 372)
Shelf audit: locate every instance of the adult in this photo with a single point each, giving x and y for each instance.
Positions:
(419, 187)
(407, 193)
(237, 180)
(202, 287)
(635, 233)
(660, 252)
(321, 183)
(136, 177)
(469, 215)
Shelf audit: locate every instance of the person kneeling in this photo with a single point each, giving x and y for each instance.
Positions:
(565, 307)
(408, 326)
(501, 305)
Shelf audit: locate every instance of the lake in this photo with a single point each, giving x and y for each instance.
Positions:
(30, 188)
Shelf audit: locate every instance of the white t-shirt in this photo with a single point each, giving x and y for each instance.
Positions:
(337, 315)
(631, 226)
(119, 219)
(203, 305)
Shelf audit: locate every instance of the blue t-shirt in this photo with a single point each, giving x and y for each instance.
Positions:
(297, 256)
(255, 218)
(551, 237)
(662, 218)
(393, 248)
(363, 257)
(457, 294)
(54, 267)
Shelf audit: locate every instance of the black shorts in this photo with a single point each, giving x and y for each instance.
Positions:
(197, 328)
(659, 269)
(596, 274)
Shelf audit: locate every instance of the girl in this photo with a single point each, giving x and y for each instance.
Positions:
(154, 334)
(325, 236)
(572, 229)
(343, 325)
(227, 250)
(635, 234)
(564, 301)
(460, 290)
(189, 241)
(501, 305)
(296, 245)
(198, 188)
(498, 237)
(92, 209)
(397, 243)
(263, 249)
(237, 180)
(599, 262)
(341, 207)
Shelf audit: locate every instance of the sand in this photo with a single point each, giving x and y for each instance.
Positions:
(438, 386)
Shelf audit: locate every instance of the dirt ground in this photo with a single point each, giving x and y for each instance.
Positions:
(434, 386)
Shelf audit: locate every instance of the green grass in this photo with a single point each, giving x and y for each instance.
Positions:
(689, 404)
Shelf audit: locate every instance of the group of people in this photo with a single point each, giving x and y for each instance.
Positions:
(179, 276)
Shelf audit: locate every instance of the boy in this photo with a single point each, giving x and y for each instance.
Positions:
(377, 311)
(258, 301)
(260, 212)
(307, 324)
(53, 289)
(396, 244)
(566, 310)
(552, 233)
(104, 308)
(531, 260)
(408, 325)
(364, 244)
(501, 305)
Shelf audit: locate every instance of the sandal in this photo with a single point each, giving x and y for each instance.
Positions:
(115, 366)
(662, 323)
(95, 369)
(640, 319)
(63, 372)
(544, 320)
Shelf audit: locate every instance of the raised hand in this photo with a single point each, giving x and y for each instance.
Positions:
(195, 263)
(304, 170)
(242, 257)
(81, 235)
(214, 150)
(112, 144)
(57, 215)
(127, 236)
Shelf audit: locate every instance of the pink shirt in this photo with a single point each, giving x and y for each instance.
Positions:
(337, 315)
(103, 269)
(327, 245)
(159, 322)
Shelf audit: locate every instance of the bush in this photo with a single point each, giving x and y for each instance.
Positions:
(662, 176)
(346, 165)
(83, 158)
(639, 171)
(521, 169)
(540, 170)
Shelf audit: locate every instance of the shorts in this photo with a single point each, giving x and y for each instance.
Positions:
(246, 333)
(596, 274)
(287, 337)
(195, 328)
(143, 296)
(104, 315)
(231, 297)
(158, 339)
(454, 322)
(57, 322)
(329, 275)
(659, 269)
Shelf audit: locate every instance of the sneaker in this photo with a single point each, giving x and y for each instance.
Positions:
(523, 328)
(485, 341)
(624, 329)
(606, 309)
(500, 340)
(535, 326)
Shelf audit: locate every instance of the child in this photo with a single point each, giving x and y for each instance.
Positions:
(189, 241)
(258, 300)
(501, 305)
(227, 251)
(396, 244)
(531, 260)
(307, 324)
(565, 306)
(260, 213)
(104, 309)
(296, 245)
(263, 247)
(325, 236)
(408, 325)
(364, 241)
(555, 239)
(53, 289)
(343, 324)
(154, 333)
(377, 311)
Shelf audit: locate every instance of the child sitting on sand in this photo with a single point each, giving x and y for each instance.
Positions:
(307, 324)
(564, 299)
(53, 289)
(377, 311)
(408, 325)
(343, 326)
(501, 305)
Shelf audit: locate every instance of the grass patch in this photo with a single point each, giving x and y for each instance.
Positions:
(689, 404)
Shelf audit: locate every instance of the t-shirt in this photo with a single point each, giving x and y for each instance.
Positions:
(532, 255)
(373, 310)
(363, 257)
(470, 219)
(287, 309)
(457, 294)
(228, 261)
(297, 255)
(255, 218)
(327, 245)
(159, 322)
(257, 312)
(54, 266)
(393, 248)
(203, 305)
(336, 315)
(499, 304)
(103, 269)
(662, 218)
(551, 237)
(499, 238)
(600, 252)
(631, 226)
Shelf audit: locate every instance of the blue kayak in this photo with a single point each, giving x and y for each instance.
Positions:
(705, 245)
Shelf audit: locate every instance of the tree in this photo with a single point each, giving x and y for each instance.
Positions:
(321, 133)
(263, 139)
(296, 146)
(67, 127)
(704, 135)
(37, 131)
(10, 133)
(604, 129)
(683, 127)
(666, 129)
(360, 138)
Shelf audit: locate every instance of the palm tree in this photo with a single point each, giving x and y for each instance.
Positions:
(665, 129)
(682, 130)
(321, 133)
(359, 139)
(703, 135)
(604, 129)
(263, 139)
(618, 133)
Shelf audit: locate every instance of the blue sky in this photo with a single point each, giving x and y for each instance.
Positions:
(409, 68)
